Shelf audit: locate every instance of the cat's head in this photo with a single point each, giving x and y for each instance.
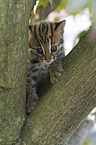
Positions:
(45, 38)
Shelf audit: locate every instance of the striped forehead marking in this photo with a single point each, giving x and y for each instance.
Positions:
(43, 32)
(35, 32)
(51, 27)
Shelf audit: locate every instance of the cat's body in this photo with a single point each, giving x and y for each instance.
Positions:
(45, 55)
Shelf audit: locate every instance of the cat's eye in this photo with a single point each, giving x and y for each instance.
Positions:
(39, 51)
(53, 49)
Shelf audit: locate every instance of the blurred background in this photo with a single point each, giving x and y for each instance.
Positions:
(79, 16)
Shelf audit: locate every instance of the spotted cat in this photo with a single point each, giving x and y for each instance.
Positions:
(45, 53)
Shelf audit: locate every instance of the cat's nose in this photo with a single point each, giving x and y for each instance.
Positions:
(47, 59)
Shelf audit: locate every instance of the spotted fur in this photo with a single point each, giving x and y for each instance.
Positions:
(45, 53)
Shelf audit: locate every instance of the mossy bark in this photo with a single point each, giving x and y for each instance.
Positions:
(14, 17)
(64, 106)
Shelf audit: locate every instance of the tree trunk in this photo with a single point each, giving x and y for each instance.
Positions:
(64, 106)
(14, 18)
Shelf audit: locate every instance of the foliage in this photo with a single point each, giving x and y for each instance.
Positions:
(43, 3)
(62, 5)
(72, 7)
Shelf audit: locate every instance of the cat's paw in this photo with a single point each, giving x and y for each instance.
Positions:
(55, 71)
(31, 102)
(54, 76)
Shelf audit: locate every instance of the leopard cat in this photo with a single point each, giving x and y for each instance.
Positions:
(45, 53)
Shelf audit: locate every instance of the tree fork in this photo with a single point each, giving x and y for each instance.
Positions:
(64, 106)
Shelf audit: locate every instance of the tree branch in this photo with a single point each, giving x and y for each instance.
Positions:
(65, 105)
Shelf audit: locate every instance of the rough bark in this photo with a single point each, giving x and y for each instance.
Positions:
(64, 106)
(14, 17)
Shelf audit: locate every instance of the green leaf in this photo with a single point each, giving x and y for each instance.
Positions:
(62, 5)
(43, 2)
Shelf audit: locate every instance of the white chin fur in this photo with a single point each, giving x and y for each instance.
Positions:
(48, 63)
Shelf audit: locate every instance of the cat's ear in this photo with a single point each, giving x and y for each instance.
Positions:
(59, 25)
(31, 28)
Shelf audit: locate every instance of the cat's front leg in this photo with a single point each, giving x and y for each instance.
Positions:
(55, 70)
(31, 96)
